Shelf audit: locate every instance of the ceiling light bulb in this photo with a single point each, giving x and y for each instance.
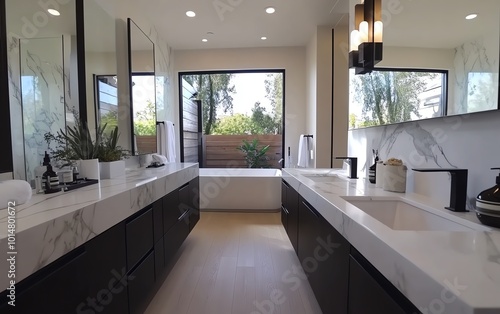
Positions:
(204, 40)
(263, 38)
(471, 16)
(190, 14)
(270, 10)
(54, 12)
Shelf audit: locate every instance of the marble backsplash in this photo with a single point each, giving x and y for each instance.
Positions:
(469, 141)
(476, 76)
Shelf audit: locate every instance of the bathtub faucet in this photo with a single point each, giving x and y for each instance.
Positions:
(280, 161)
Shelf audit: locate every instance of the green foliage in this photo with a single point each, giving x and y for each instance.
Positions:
(109, 149)
(214, 91)
(263, 123)
(390, 97)
(254, 156)
(274, 92)
(238, 124)
(77, 143)
(110, 119)
(145, 120)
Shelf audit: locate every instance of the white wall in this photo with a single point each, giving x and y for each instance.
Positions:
(340, 94)
(312, 76)
(292, 59)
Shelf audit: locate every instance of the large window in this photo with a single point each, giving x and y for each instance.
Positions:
(236, 106)
(388, 96)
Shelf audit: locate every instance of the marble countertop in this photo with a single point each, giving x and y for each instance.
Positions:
(49, 226)
(438, 271)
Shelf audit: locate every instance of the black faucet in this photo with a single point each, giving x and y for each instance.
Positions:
(353, 163)
(458, 194)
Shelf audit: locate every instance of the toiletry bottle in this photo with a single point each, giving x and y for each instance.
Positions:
(372, 171)
(488, 204)
(51, 180)
(39, 171)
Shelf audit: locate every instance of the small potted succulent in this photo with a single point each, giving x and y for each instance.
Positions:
(111, 156)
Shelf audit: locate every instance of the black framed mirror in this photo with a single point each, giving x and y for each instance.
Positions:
(142, 90)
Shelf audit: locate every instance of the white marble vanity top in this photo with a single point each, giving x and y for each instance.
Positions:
(438, 271)
(49, 226)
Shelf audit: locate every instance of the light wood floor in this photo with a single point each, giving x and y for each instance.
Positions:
(236, 263)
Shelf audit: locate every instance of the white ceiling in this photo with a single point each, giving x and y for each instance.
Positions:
(241, 23)
(440, 23)
(422, 23)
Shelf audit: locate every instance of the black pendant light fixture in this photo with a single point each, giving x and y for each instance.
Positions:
(366, 47)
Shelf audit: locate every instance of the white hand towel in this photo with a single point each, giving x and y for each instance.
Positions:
(303, 160)
(161, 139)
(170, 136)
(159, 158)
(17, 191)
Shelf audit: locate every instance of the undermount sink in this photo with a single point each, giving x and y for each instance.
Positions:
(400, 215)
(324, 177)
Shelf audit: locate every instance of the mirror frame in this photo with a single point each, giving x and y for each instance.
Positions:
(131, 73)
(6, 159)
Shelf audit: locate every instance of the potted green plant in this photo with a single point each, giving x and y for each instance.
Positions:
(77, 145)
(255, 156)
(111, 156)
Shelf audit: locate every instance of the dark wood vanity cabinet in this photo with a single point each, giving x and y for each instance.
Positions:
(371, 292)
(118, 271)
(324, 256)
(342, 280)
(290, 212)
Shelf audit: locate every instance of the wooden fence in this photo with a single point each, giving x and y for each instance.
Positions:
(219, 151)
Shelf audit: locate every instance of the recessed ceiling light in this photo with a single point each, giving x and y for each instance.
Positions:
(270, 10)
(204, 40)
(190, 14)
(471, 16)
(54, 12)
(263, 38)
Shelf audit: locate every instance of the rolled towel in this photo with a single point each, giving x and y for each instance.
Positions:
(159, 158)
(17, 191)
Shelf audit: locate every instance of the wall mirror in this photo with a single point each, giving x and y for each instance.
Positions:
(100, 66)
(142, 90)
(42, 66)
(424, 40)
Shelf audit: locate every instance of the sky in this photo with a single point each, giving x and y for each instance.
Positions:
(250, 88)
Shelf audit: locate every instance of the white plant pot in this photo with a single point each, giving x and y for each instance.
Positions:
(89, 168)
(394, 178)
(113, 169)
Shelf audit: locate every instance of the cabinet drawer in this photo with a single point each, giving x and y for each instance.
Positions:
(141, 285)
(175, 237)
(158, 219)
(170, 210)
(139, 233)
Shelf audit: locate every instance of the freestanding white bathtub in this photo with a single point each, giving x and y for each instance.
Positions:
(240, 189)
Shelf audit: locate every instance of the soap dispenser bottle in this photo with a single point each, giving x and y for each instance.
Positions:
(372, 171)
(488, 205)
(50, 179)
(39, 171)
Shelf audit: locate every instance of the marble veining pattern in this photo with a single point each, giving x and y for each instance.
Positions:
(448, 142)
(424, 266)
(476, 60)
(49, 226)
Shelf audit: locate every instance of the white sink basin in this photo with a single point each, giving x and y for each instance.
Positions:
(324, 177)
(400, 215)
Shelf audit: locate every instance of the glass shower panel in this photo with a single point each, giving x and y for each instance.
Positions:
(42, 94)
